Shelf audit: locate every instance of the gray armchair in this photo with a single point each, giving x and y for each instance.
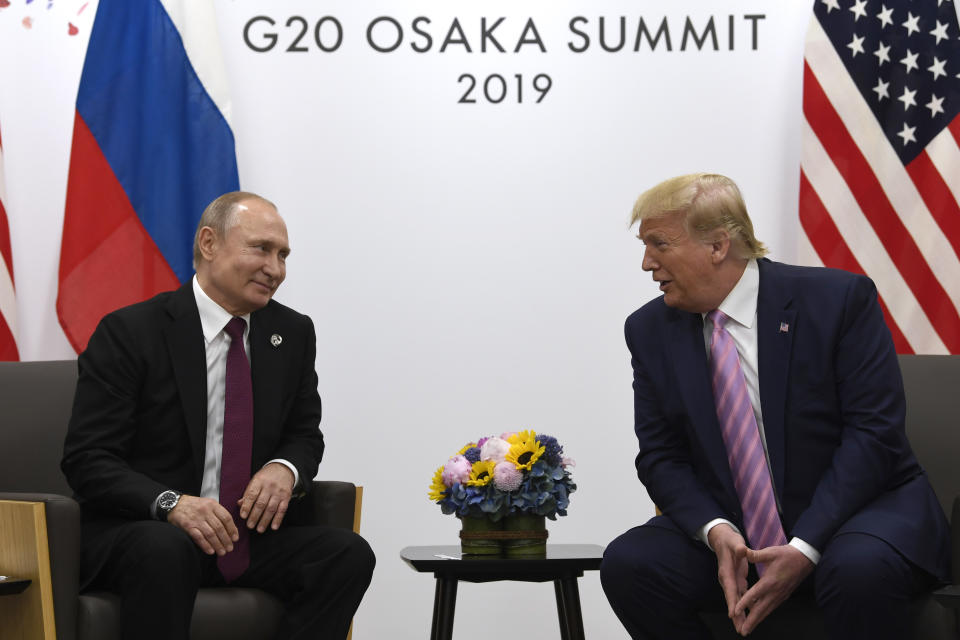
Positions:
(35, 400)
(933, 427)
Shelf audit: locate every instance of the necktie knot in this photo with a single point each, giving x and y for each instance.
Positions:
(718, 318)
(235, 328)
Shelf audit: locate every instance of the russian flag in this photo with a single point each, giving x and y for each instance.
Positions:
(152, 146)
(8, 299)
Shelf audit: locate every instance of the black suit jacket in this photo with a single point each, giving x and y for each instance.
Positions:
(833, 413)
(140, 412)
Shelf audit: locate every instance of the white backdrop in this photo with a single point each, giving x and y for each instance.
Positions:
(468, 266)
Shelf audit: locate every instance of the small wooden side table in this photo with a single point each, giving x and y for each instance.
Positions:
(562, 564)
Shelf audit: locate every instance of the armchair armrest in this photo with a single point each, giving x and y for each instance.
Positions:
(335, 503)
(949, 596)
(63, 542)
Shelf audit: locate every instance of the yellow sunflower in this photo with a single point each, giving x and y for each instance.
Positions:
(521, 436)
(525, 451)
(467, 446)
(437, 488)
(481, 473)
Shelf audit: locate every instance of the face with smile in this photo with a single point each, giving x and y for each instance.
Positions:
(685, 268)
(241, 270)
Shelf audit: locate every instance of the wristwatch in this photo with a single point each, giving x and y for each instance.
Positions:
(166, 502)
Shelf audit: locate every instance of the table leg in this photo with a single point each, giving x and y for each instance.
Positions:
(568, 608)
(444, 603)
(564, 631)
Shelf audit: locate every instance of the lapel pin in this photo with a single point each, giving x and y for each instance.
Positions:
(276, 338)
(784, 327)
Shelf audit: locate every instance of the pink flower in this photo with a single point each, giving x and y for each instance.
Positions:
(506, 477)
(567, 462)
(495, 449)
(506, 435)
(457, 470)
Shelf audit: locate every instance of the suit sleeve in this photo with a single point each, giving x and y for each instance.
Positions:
(301, 442)
(872, 408)
(665, 462)
(102, 429)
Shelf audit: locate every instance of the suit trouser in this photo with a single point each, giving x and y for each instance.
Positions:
(657, 579)
(319, 573)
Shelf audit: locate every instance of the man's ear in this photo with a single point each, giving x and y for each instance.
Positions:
(720, 245)
(207, 242)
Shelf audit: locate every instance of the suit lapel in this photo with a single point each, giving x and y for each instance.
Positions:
(689, 356)
(184, 338)
(776, 326)
(266, 367)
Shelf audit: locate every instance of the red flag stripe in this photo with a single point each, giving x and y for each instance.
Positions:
(954, 128)
(5, 248)
(869, 194)
(8, 301)
(108, 260)
(833, 250)
(938, 197)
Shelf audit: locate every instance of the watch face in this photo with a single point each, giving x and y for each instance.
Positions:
(168, 500)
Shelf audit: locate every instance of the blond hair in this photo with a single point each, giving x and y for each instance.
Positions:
(708, 201)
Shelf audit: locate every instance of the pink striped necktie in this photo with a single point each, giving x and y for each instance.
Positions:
(237, 446)
(738, 425)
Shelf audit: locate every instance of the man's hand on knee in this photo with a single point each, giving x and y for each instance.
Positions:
(207, 523)
(267, 497)
(732, 566)
(785, 567)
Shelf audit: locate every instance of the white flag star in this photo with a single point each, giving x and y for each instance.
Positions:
(885, 16)
(937, 68)
(856, 45)
(907, 98)
(940, 33)
(907, 134)
(831, 5)
(935, 105)
(881, 90)
(910, 61)
(911, 24)
(883, 54)
(859, 10)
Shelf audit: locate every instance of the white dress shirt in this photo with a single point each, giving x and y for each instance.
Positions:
(213, 319)
(740, 306)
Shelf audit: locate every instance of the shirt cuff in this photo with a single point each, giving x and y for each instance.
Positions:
(705, 529)
(812, 554)
(288, 465)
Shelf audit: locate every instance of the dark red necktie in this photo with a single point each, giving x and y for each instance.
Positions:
(237, 446)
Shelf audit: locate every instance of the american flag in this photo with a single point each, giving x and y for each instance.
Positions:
(880, 171)
(8, 300)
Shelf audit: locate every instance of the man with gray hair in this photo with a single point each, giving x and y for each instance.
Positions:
(769, 410)
(195, 428)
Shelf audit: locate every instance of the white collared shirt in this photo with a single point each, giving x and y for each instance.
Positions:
(740, 307)
(213, 319)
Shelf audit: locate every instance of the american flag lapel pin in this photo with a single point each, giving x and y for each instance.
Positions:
(784, 327)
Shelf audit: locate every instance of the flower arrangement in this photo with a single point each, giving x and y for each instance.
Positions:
(515, 473)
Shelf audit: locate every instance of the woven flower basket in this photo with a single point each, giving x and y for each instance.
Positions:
(518, 535)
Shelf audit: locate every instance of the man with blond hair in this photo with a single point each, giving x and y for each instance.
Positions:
(194, 434)
(769, 410)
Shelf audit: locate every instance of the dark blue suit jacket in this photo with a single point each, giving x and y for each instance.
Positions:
(833, 413)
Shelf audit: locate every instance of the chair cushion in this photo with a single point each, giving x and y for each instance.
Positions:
(239, 614)
(799, 619)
